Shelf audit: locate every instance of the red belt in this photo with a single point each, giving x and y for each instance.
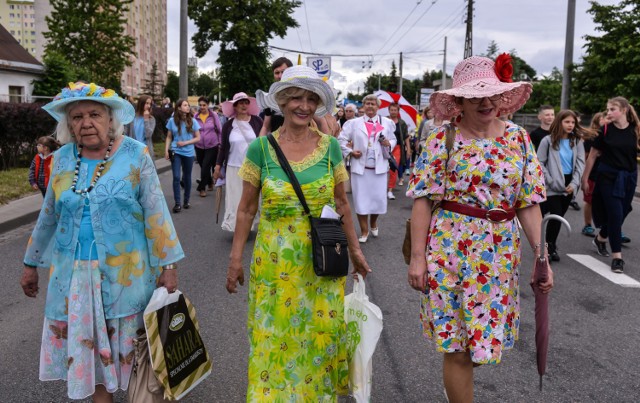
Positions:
(495, 215)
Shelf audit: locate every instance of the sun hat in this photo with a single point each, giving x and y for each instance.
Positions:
(79, 91)
(229, 111)
(301, 77)
(479, 77)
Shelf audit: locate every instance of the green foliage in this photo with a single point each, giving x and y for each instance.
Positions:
(91, 33)
(546, 91)
(204, 85)
(243, 29)
(153, 86)
(58, 73)
(171, 90)
(611, 65)
(20, 127)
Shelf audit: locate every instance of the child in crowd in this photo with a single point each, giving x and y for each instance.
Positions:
(40, 168)
(561, 155)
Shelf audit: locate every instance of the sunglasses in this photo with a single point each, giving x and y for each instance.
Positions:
(496, 97)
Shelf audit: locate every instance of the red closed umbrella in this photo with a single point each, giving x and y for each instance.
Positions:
(541, 275)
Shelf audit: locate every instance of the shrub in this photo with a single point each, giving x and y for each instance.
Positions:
(20, 127)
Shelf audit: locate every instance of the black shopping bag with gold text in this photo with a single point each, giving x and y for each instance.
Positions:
(178, 355)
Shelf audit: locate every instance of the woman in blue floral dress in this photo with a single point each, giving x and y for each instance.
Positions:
(467, 194)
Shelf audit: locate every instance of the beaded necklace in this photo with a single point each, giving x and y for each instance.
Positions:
(95, 177)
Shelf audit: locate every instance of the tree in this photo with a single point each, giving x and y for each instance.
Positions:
(611, 65)
(546, 91)
(58, 73)
(393, 77)
(243, 29)
(153, 86)
(204, 85)
(171, 90)
(91, 33)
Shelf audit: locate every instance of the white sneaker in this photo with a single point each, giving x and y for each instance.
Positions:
(390, 196)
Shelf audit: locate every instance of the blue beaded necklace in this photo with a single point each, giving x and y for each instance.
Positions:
(95, 177)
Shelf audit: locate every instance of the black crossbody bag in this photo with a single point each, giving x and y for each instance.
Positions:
(328, 239)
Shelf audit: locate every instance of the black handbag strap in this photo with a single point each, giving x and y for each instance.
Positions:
(287, 169)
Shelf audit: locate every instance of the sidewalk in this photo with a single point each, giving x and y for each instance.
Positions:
(24, 211)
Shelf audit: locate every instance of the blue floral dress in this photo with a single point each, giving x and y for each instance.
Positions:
(472, 300)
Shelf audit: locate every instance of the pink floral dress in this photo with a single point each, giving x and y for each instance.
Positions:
(472, 300)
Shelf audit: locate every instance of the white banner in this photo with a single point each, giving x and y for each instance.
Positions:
(322, 65)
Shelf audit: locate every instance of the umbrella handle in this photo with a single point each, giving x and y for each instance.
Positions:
(543, 230)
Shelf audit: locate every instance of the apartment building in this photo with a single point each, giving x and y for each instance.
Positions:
(146, 23)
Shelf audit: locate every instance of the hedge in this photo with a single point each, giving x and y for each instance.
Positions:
(22, 124)
(20, 127)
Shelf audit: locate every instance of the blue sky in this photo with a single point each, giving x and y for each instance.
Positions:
(534, 28)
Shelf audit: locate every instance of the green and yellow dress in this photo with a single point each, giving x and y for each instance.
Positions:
(296, 319)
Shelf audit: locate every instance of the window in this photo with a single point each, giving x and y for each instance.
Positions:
(15, 94)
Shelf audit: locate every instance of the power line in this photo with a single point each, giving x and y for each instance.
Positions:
(399, 26)
(306, 17)
(450, 21)
(433, 2)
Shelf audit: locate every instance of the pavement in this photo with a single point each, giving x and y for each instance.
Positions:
(23, 211)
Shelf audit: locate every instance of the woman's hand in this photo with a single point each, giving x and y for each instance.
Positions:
(216, 173)
(29, 281)
(585, 187)
(169, 279)
(360, 265)
(544, 287)
(418, 273)
(235, 275)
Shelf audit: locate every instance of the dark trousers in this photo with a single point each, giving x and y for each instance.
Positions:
(609, 212)
(186, 164)
(206, 158)
(558, 205)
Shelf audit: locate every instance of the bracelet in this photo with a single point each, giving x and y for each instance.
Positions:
(171, 266)
(535, 247)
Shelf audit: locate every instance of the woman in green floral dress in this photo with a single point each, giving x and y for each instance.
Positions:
(296, 322)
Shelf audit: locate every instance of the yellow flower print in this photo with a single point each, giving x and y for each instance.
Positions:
(129, 263)
(61, 182)
(161, 235)
(134, 176)
(92, 89)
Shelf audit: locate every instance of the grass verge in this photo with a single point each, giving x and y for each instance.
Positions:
(14, 183)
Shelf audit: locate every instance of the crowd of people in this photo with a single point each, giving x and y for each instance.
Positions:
(476, 178)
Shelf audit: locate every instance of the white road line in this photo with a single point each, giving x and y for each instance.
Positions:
(605, 271)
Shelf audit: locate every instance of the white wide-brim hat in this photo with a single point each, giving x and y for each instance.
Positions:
(300, 77)
(479, 77)
(229, 111)
(120, 108)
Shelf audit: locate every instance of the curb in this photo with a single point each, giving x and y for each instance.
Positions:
(26, 210)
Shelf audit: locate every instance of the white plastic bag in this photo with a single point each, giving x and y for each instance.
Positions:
(364, 325)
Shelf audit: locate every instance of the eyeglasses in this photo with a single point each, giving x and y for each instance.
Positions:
(496, 97)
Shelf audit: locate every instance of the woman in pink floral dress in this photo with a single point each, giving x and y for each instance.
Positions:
(467, 264)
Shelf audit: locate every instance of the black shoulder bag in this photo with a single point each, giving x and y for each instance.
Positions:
(328, 240)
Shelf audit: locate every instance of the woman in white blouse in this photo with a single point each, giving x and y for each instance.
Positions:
(238, 132)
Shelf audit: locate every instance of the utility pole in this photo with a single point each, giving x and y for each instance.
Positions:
(568, 55)
(400, 78)
(183, 84)
(468, 39)
(444, 66)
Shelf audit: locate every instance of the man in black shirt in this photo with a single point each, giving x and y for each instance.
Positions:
(546, 115)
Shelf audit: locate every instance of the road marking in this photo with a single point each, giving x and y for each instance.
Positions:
(605, 271)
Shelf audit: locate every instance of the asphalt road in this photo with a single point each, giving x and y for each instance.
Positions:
(594, 354)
